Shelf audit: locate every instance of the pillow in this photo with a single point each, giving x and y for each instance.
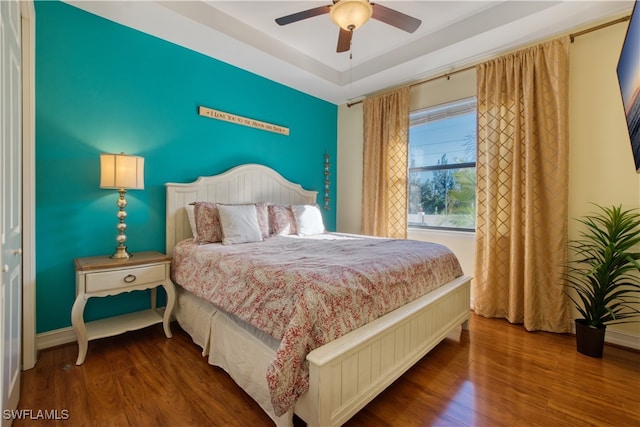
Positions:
(263, 218)
(191, 216)
(239, 224)
(263, 215)
(208, 228)
(281, 220)
(308, 219)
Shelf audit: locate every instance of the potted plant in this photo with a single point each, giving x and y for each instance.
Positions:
(604, 275)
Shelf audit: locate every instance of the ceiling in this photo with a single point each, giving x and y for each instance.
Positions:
(302, 55)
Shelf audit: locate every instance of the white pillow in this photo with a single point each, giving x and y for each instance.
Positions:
(308, 219)
(239, 224)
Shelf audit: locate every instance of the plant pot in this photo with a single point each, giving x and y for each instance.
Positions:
(589, 341)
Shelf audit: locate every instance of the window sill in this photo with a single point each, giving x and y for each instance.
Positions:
(442, 232)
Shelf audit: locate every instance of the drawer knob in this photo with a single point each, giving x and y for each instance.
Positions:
(129, 278)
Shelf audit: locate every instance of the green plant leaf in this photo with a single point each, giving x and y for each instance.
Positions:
(605, 271)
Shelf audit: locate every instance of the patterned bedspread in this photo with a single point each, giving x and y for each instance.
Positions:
(306, 292)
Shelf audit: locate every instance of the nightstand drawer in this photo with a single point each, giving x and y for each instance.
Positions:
(106, 280)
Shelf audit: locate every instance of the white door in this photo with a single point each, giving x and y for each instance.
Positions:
(10, 204)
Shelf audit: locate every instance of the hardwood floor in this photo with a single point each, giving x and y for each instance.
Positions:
(495, 374)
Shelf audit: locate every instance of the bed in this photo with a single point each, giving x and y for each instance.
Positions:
(340, 376)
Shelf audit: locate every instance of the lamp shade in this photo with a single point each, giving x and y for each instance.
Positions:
(350, 14)
(121, 171)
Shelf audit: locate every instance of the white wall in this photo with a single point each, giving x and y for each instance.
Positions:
(601, 166)
(349, 169)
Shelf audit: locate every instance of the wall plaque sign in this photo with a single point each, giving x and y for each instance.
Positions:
(232, 118)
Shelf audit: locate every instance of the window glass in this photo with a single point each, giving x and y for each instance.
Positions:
(442, 166)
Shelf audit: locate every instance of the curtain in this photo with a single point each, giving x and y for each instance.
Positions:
(522, 181)
(385, 154)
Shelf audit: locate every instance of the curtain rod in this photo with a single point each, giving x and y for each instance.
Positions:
(572, 37)
(598, 27)
(447, 75)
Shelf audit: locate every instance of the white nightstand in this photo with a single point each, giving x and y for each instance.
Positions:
(102, 276)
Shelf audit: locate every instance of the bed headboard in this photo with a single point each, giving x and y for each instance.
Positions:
(243, 184)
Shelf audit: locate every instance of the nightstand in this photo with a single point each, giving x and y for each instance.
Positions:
(103, 276)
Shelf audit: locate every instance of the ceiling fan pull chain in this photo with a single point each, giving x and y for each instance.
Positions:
(350, 70)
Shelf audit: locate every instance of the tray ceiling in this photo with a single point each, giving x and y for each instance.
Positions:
(302, 55)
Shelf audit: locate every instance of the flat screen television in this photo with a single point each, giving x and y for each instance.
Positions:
(629, 79)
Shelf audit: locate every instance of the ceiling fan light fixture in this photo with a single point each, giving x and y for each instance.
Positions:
(350, 14)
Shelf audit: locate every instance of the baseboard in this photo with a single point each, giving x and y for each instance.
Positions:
(66, 336)
(622, 339)
(54, 338)
(63, 335)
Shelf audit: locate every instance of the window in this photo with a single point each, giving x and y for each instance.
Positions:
(442, 166)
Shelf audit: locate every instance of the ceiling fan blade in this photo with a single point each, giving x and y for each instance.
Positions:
(299, 16)
(344, 40)
(395, 18)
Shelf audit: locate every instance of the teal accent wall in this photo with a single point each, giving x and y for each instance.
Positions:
(105, 88)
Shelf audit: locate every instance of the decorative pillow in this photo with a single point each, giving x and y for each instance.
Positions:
(281, 220)
(208, 228)
(239, 224)
(308, 219)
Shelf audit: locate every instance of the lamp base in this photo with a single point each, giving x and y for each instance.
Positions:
(121, 253)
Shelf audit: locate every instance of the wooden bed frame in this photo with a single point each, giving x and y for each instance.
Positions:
(347, 373)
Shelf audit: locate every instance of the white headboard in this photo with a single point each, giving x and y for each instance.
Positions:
(242, 184)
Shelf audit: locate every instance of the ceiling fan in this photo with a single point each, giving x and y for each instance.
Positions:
(351, 14)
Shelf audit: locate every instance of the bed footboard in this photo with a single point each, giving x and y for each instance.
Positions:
(349, 372)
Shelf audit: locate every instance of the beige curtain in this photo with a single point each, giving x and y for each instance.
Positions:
(386, 147)
(522, 167)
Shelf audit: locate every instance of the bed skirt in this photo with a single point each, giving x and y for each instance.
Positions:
(238, 348)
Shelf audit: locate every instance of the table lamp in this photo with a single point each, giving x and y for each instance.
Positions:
(121, 172)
